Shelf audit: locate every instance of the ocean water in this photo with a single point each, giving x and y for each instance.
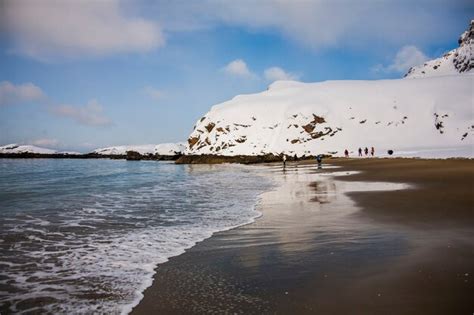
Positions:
(84, 236)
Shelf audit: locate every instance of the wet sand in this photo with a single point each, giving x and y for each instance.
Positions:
(333, 244)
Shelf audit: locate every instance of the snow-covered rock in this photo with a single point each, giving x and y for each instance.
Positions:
(17, 149)
(459, 60)
(170, 148)
(145, 149)
(329, 117)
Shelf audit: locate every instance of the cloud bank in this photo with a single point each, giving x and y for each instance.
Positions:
(51, 29)
(323, 24)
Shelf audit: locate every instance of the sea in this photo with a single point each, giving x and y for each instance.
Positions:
(85, 236)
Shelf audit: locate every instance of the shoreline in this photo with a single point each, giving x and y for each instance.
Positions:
(28, 155)
(282, 261)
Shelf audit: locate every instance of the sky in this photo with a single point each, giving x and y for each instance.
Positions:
(79, 75)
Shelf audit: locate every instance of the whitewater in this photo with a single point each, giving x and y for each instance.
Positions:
(86, 236)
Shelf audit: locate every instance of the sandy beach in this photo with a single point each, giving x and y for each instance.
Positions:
(370, 236)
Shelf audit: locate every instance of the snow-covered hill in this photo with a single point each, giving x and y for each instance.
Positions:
(328, 117)
(17, 149)
(431, 112)
(459, 60)
(160, 149)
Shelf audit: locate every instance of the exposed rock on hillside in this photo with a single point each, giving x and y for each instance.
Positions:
(459, 60)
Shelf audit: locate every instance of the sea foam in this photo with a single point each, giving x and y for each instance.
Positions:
(94, 246)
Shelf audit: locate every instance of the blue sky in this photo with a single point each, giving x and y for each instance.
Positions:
(87, 74)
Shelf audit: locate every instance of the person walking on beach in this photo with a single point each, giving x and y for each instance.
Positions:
(366, 151)
(346, 153)
(360, 151)
(319, 159)
(284, 160)
(372, 151)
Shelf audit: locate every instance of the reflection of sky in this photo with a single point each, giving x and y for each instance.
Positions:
(308, 216)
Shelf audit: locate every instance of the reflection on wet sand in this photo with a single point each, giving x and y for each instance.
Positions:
(311, 251)
(309, 210)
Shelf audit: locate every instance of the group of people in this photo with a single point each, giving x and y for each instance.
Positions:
(366, 152)
(319, 160)
(319, 157)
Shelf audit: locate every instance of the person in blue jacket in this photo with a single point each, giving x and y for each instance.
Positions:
(319, 159)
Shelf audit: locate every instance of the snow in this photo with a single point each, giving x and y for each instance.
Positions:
(69, 152)
(145, 149)
(328, 117)
(459, 60)
(16, 149)
(435, 153)
(170, 148)
(440, 66)
(428, 114)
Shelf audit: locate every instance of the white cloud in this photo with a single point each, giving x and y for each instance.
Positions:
(153, 93)
(239, 68)
(406, 57)
(323, 24)
(51, 29)
(14, 94)
(90, 114)
(45, 142)
(277, 73)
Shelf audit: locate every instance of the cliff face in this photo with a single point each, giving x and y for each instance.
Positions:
(456, 61)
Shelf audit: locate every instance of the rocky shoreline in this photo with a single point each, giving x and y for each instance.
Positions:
(179, 159)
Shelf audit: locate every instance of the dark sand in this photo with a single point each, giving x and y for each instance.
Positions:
(325, 246)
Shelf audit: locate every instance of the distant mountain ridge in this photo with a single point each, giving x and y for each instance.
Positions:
(19, 149)
(159, 149)
(163, 149)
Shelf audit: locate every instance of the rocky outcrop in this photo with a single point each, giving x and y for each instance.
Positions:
(463, 58)
(459, 60)
(133, 156)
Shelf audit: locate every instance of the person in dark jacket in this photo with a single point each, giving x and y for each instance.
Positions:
(372, 151)
(366, 151)
(319, 159)
(360, 151)
(346, 153)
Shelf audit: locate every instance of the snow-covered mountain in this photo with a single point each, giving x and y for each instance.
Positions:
(17, 149)
(159, 149)
(459, 60)
(403, 115)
